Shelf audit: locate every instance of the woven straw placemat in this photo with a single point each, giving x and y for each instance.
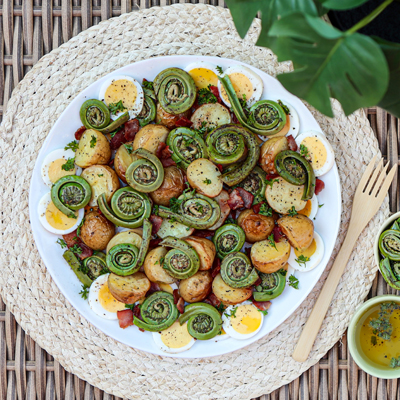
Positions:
(35, 300)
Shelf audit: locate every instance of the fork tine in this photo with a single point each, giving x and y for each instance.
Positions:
(367, 173)
(374, 176)
(385, 186)
(380, 179)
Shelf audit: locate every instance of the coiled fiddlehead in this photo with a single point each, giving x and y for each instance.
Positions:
(255, 184)
(267, 116)
(237, 271)
(95, 265)
(390, 270)
(122, 259)
(94, 114)
(271, 286)
(389, 244)
(228, 238)
(148, 113)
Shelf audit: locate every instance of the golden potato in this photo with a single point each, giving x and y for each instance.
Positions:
(267, 258)
(132, 237)
(222, 200)
(256, 226)
(128, 289)
(97, 231)
(93, 149)
(173, 186)
(149, 137)
(205, 177)
(227, 294)
(102, 179)
(174, 229)
(197, 287)
(169, 120)
(205, 248)
(123, 159)
(269, 150)
(153, 267)
(299, 230)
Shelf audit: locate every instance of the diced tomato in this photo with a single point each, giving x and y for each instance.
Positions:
(167, 162)
(292, 143)
(125, 318)
(203, 233)
(130, 129)
(79, 132)
(262, 305)
(278, 234)
(319, 186)
(183, 121)
(156, 221)
(246, 196)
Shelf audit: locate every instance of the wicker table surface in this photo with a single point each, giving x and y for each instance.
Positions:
(31, 28)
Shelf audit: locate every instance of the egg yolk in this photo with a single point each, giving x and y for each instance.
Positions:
(166, 288)
(309, 251)
(203, 77)
(123, 90)
(248, 319)
(56, 172)
(108, 301)
(176, 336)
(306, 210)
(57, 219)
(316, 150)
(242, 85)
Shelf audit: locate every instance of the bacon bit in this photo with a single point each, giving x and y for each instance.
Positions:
(86, 251)
(176, 296)
(257, 282)
(183, 121)
(163, 151)
(216, 267)
(248, 251)
(214, 90)
(136, 311)
(130, 129)
(235, 200)
(117, 140)
(203, 233)
(292, 143)
(213, 300)
(111, 163)
(153, 288)
(125, 318)
(319, 186)
(262, 305)
(167, 162)
(79, 132)
(72, 239)
(246, 196)
(269, 177)
(220, 167)
(154, 243)
(278, 234)
(234, 118)
(181, 305)
(156, 221)
(257, 207)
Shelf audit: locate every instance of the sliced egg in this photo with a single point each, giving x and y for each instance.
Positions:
(175, 339)
(222, 336)
(101, 301)
(126, 89)
(292, 125)
(319, 151)
(242, 321)
(54, 220)
(308, 259)
(311, 208)
(52, 166)
(203, 74)
(245, 82)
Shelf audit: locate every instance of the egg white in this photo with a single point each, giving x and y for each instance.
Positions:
(227, 326)
(293, 118)
(314, 207)
(256, 81)
(53, 156)
(138, 105)
(315, 259)
(42, 206)
(93, 298)
(330, 158)
(161, 345)
(202, 64)
(219, 338)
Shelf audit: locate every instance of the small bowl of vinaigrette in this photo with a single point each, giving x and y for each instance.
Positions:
(374, 337)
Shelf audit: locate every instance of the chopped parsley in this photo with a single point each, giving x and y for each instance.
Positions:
(147, 84)
(69, 164)
(62, 243)
(271, 241)
(230, 220)
(115, 107)
(270, 182)
(302, 260)
(72, 146)
(220, 308)
(265, 210)
(130, 306)
(381, 326)
(304, 151)
(78, 230)
(243, 103)
(76, 249)
(93, 141)
(174, 204)
(207, 181)
(293, 282)
(395, 362)
(72, 216)
(112, 134)
(264, 312)
(155, 210)
(292, 212)
(160, 261)
(233, 313)
(128, 148)
(100, 175)
(84, 292)
(282, 271)
(219, 69)
(321, 205)
(205, 96)
(203, 129)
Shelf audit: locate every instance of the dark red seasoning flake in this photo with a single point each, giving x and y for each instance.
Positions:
(125, 318)
(292, 143)
(79, 132)
(319, 186)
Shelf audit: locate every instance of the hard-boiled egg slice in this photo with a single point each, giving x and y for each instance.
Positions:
(222, 336)
(242, 321)
(311, 208)
(245, 82)
(101, 301)
(126, 89)
(54, 220)
(316, 148)
(308, 259)
(175, 339)
(52, 166)
(292, 125)
(203, 73)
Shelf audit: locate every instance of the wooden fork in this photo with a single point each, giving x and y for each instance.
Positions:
(368, 198)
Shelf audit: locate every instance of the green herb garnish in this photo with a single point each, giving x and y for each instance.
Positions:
(207, 181)
(62, 243)
(205, 96)
(115, 107)
(219, 69)
(93, 141)
(381, 326)
(395, 362)
(293, 282)
(147, 84)
(72, 146)
(292, 212)
(302, 260)
(78, 230)
(265, 210)
(282, 271)
(271, 241)
(129, 148)
(264, 312)
(84, 292)
(76, 249)
(69, 164)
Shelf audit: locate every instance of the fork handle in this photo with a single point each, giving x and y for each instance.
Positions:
(314, 322)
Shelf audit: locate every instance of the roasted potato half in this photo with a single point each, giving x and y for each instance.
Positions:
(93, 149)
(102, 179)
(204, 176)
(222, 200)
(268, 258)
(211, 116)
(269, 150)
(256, 226)
(197, 287)
(173, 186)
(169, 120)
(132, 236)
(174, 229)
(128, 289)
(149, 137)
(123, 159)
(153, 266)
(205, 249)
(298, 229)
(227, 294)
(97, 231)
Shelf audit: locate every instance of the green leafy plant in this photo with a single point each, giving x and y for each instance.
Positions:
(357, 70)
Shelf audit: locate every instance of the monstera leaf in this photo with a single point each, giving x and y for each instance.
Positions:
(341, 4)
(329, 63)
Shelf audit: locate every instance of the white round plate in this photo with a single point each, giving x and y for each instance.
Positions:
(326, 223)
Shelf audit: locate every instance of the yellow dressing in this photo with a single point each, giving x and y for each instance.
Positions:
(108, 301)
(242, 85)
(309, 251)
(123, 90)
(56, 172)
(248, 319)
(203, 77)
(306, 210)
(316, 150)
(165, 287)
(57, 219)
(176, 336)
